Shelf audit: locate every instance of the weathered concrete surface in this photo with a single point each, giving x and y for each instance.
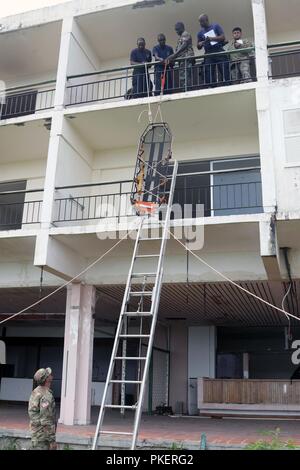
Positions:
(156, 432)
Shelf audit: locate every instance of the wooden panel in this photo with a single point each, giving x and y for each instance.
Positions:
(251, 391)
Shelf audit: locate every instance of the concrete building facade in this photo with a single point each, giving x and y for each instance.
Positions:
(68, 140)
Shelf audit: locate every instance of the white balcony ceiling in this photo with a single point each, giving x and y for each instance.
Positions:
(26, 142)
(29, 53)
(113, 33)
(191, 120)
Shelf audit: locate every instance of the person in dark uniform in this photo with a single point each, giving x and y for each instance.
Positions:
(141, 83)
(212, 38)
(161, 52)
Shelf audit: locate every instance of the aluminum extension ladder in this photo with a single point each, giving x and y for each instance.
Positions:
(144, 322)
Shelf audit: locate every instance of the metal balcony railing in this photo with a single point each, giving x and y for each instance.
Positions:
(25, 100)
(133, 82)
(18, 208)
(284, 59)
(111, 200)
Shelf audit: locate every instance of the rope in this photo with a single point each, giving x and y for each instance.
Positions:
(281, 310)
(163, 83)
(148, 92)
(73, 279)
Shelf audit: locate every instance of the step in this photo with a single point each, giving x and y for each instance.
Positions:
(126, 407)
(134, 336)
(140, 293)
(115, 381)
(148, 256)
(150, 239)
(135, 358)
(138, 314)
(121, 433)
(138, 275)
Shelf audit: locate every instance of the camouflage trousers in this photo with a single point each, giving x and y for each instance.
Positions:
(241, 69)
(40, 445)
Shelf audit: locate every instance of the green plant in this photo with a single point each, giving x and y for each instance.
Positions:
(67, 447)
(10, 443)
(176, 446)
(274, 443)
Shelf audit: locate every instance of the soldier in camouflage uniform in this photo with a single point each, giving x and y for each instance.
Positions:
(184, 50)
(240, 61)
(41, 410)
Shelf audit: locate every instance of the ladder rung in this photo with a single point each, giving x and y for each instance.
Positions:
(134, 336)
(126, 407)
(140, 293)
(137, 275)
(148, 256)
(138, 314)
(121, 433)
(115, 381)
(150, 239)
(135, 358)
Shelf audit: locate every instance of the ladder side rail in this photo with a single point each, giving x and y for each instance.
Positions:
(154, 307)
(116, 342)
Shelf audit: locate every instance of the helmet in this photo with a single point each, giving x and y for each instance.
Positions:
(41, 375)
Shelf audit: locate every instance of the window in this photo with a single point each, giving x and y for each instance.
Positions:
(225, 186)
(291, 122)
(12, 205)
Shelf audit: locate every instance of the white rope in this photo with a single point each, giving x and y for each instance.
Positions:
(283, 301)
(73, 279)
(150, 117)
(287, 314)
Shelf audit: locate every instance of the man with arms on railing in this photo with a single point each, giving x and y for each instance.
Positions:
(240, 61)
(212, 38)
(184, 50)
(141, 83)
(161, 52)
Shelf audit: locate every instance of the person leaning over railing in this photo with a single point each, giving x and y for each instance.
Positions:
(141, 83)
(161, 52)
(240, 61)
(212, 38)
(184, 50)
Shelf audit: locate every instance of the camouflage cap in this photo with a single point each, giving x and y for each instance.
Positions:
(42, 374)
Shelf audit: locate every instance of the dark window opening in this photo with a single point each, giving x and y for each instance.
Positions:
(12, 205)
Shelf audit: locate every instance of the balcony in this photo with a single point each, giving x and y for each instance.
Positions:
(284, 60)
(116, 84)
(220, 192)
(23, 101)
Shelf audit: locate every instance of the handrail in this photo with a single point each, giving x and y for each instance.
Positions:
(21, 191)
(151, 64)
(106, 183)
(284, 53)
(31, 85)
(283, 44)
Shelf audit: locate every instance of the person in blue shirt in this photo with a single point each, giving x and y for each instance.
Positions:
(212, 38)
(161, 52)
(141, 83)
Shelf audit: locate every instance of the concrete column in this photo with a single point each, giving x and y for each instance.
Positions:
(261, 39)
(178, 366)
(63, 61)
(78, 355)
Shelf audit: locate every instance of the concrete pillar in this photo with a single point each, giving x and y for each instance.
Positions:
(260, 39)
(78, 355)
(178, 365)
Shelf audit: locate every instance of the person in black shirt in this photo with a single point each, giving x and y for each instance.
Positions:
(141, 83)
(161, 52)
